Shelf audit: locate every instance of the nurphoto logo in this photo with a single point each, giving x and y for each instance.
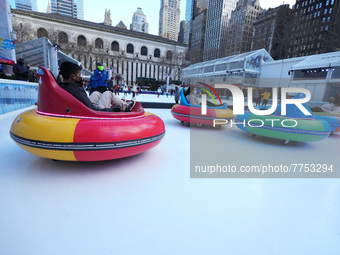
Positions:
(238, 100)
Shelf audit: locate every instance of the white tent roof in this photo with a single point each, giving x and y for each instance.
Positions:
(37, 53)
(319, 61)
(231, 59)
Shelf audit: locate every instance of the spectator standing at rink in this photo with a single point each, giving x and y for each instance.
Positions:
(110, 84)
(31, 76)
(20, 70)
(257, 97)
(134, 90)
(177, 93)
(99, 79)
(265, 95)
(116, 89)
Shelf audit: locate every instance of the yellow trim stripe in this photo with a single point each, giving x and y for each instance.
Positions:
(32, 126)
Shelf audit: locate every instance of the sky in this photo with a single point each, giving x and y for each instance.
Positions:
(94, 11)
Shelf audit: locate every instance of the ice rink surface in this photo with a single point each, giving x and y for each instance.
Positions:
(148, 204)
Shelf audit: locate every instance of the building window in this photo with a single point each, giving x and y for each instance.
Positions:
(169, 55)
(98, 44)
(336, 73)
(115, 46)
(129, 48)
(157, 53)
(144, 51)
(42, 32)
(81, 40)
(62, 37)
(311, 74)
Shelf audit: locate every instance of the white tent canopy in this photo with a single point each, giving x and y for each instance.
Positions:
(331, 59)
(41, 52)
(245, 61)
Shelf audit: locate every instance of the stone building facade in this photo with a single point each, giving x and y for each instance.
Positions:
(196, 42)
(315, 28)
(131, 54)
(240, 29)
(272, 31)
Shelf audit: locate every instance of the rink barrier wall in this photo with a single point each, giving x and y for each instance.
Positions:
(157, 105)
(16, 95)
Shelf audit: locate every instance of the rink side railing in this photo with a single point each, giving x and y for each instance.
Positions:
(16, 95)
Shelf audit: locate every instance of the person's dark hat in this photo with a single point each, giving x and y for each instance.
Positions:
(21, 59)
(99, 64)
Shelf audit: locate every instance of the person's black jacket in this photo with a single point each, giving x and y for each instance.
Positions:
(78, 92)
(20, 71)
(31, 77)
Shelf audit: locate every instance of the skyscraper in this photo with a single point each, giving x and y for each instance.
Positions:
(218, 17)
(27, 5)
(70, 8)
(139, 22)
(196, 44)
(240, 29)
(169, 19)
(315, 28)
(189, 11)
(272, 31)
(192, 9)
(181, 32)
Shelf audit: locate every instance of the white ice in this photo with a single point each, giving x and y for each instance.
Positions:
(148, 204)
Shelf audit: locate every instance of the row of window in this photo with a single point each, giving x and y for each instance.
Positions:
(319, 73)
(317, 5)
(315, 30)
(316, 14)
(99, 44)
(307, 47)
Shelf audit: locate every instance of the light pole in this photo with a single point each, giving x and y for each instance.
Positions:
(168, 76)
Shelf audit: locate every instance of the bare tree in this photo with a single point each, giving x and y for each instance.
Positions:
(24, 32)
(118, 78)
(175, 64)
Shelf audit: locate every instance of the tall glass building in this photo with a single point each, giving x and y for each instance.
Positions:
(189, 11)
(139, 22)
(218, 18)
(27, 5)
(70, 8)
(192, 9)
(169, 15)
